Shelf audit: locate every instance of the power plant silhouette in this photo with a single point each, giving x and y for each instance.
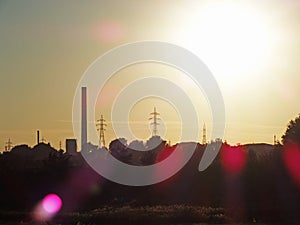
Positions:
(101, 125)
(71, 143)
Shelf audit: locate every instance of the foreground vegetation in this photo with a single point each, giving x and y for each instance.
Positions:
(242, 185)
(175, 214)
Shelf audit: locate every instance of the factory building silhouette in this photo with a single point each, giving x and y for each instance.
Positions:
(71, 146)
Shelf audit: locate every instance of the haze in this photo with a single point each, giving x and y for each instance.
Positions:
(252, 48)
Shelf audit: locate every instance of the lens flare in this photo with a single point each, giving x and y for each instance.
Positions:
(110, 31)
(291, 156)
(52, 203)
(233, 159)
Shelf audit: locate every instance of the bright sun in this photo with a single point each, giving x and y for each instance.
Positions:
(234, 40)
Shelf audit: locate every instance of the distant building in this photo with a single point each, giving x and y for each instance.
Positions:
(71, 146)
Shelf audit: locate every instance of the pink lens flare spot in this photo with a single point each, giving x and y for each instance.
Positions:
(110, 31)
(52, 203)
(291, 157)
(233, 159)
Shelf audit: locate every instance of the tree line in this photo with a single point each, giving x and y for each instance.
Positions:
(266, 188)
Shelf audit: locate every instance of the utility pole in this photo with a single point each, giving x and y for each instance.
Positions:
(154, 116)
(101, 128)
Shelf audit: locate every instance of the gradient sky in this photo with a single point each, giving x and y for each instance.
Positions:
(252, 48)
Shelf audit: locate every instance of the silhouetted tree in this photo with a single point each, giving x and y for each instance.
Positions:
(117, 145)
(153, 146)
(137, 145)
(292, 133)
(57, 161)
(118, 148)
(155, 142)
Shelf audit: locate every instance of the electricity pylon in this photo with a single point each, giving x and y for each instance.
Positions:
(101, 128)
(154, 116)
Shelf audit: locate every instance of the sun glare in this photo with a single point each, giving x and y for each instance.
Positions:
(234, 40)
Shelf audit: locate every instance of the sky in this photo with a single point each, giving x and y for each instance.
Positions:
(251, 47)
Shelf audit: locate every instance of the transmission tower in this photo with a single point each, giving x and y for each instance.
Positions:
(8, 145)
(204, 135)
(101, 128)
(154, 116)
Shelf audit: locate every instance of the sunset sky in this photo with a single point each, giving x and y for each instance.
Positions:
(251, 47)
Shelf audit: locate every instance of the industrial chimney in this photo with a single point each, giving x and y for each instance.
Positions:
(83, 118)
(38, 136)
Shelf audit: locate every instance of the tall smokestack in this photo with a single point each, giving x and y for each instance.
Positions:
(83, 119)
(38, 136)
